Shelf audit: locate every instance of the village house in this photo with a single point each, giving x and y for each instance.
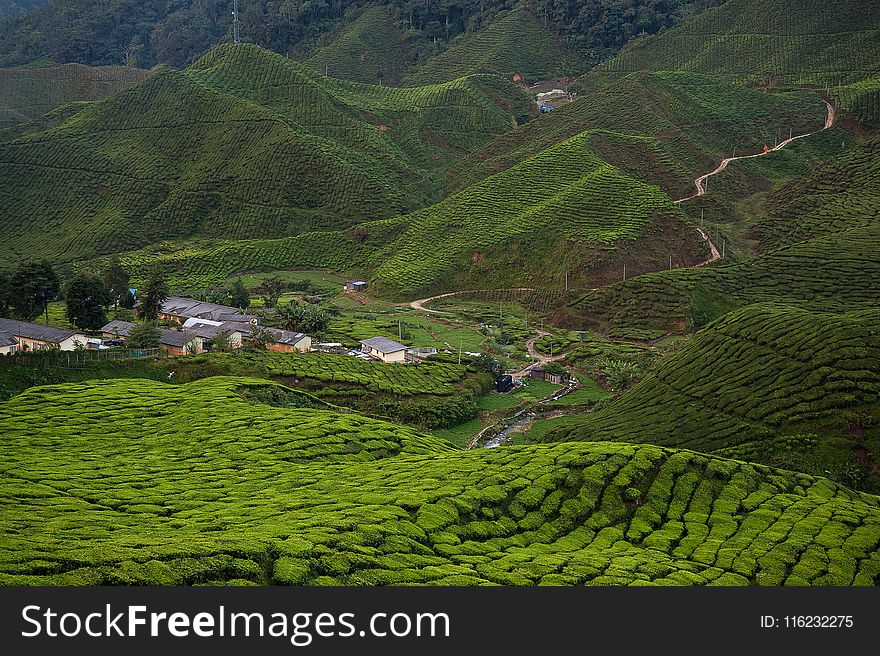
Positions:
(8, 344)
(384, 349)
(283, 341)
(287, 341)
(355, 285)
(37, 337)
(172, 342)
(179, 309)
(208, 330)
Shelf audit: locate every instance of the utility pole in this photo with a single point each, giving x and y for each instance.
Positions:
(624, 270)
(566, 281)
(723, 245)
(459, 352)
(236, 32)
(702, 216)
(670, 263)
(399, 330)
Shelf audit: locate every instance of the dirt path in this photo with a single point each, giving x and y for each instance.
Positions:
(700, 183)
(420, 304)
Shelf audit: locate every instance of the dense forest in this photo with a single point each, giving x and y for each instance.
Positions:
(176, 32)
(14, 7)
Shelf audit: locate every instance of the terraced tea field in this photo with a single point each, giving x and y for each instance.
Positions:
(372, 49)
(28, 93)
(512, 237)
(500, 49)
(244, 143)
(292, 496)
(816, 42)
(687, 121)
(756, 375)
(837, 272)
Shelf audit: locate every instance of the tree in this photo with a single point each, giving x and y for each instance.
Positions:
(155, 294)
(33, 286)
(220, 342)
(304, 318)
(260, 338)
(272, 290)
(127, 301)
(87, 299)
(4, 294)
(117, 280)
(144, 336)
(490, 365)
(239, 295)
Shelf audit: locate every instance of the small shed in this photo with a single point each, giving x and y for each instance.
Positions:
(539, 373)
(355, 285)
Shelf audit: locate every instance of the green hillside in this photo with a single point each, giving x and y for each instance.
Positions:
(837, 273)
(28, 93)
(518, 43)
(861, 99)
(792, 41)
(818, 234)
(841, 194)
(136, 482)
(768, 383)
(696, 119)
(243, 144)
(372, 49)
(565, 210)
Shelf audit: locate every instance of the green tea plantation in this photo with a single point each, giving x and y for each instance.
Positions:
(140, 482)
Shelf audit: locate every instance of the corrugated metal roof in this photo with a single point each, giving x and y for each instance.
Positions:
(121, 328)
(36, 331)
(383, 344)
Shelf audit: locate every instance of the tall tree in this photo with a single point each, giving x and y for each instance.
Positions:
(144, 336)
(272, 290)
(239, 295)
(155, 294)
(87, 299)
(33, 286)
(4, 294)
(117, 280)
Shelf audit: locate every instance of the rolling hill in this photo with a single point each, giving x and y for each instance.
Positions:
(243, 144)
(564, 211)
(768, 383)
(29, 93)
(517, 43)
(305, 496)
(697, 119)
(372, 49)
(783, 41)
(819, 240)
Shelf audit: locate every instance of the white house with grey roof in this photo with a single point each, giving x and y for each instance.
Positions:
(384, 349)
(24, 336)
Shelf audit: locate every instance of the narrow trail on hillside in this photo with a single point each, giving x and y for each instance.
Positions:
(420, 304)
(700, 183)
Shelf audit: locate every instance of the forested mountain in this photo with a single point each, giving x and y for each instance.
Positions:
(14, 7)
(148, 32)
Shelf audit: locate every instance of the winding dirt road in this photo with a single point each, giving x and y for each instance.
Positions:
(700, 183)
(420, 304)
(714, 253)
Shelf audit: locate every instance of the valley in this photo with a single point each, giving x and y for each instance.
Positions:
(349, 303)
